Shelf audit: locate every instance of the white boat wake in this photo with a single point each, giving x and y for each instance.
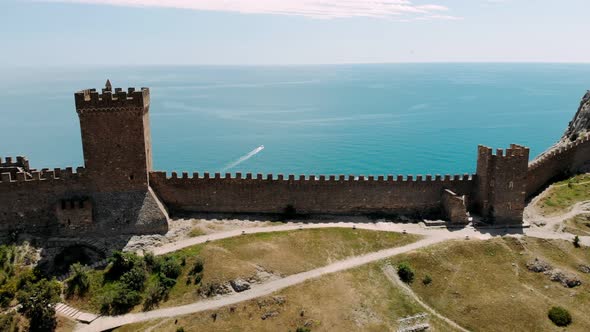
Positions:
(243, 158)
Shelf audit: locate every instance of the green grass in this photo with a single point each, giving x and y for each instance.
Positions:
(279, 253)
(563, 195)
(476, 284)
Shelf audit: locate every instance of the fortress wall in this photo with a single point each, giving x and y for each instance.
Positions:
(557, 164)
(308, 195)
(28, 202)
(32, 203)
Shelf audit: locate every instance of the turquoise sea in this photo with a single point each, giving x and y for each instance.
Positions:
(325, 119)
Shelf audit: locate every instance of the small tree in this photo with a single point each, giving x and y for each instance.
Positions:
(405, 273)
(427, 279)
(37, 304)
(171, 268)
(560, 316)
(577, 241)
(78, 281)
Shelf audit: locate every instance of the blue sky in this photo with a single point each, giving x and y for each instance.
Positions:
(250, 32)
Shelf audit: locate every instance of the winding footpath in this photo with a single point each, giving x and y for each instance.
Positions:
(430, 237)
(391, 274)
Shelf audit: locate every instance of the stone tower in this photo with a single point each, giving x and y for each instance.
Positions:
(500, 187)
(115, 138)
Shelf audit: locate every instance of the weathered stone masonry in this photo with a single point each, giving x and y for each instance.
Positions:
(110, 195)
(117, 192)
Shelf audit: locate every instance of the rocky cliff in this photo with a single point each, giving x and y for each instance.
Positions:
(580, 125)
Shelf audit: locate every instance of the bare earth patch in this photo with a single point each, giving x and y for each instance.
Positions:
(180, 229)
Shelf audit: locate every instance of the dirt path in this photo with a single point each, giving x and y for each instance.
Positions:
(431, 236)
(380, 226)
(391, 274)
(553, 223)
(106, 323)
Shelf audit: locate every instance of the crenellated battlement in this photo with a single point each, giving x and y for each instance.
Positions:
(19, 161)
(57, 174)
(559, 152)
(117, 188)
(108, 100)
(310, 178)
(513, 151)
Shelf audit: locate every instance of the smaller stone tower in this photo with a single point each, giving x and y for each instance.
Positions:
(500, 188)
(115, 138)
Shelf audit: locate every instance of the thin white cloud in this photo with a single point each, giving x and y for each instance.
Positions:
(324, 9)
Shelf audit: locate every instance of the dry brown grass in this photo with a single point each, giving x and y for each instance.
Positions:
(281, 253)
(65, 325)
(361, 299)
(476, 284)
(579, 225)
(277, 253)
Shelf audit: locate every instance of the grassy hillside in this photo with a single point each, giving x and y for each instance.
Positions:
(563, 195)
(485, 285)
(361, 299)
(259, 256)
(481, 285)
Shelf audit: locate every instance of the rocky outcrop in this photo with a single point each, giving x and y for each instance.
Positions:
(580, 125)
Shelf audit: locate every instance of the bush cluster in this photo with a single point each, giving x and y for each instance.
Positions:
(124, 281)
(37, 300)
(132, 273)
(560, 316)
(405, 273)
(196, 273)
(78, 282)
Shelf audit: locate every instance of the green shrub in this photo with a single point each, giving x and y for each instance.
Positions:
(405, 273)
(198, 267)
(171, 268)
(302, 329)
(134, 279)
(152, 262)
(7, 293)
(117, 299)
(154, 294)
(560, 316)
(180, 329)
(122, 263)
(37, 302)
(427, 280)
(78, 282)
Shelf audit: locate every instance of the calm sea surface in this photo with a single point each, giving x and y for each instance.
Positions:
(349, 119)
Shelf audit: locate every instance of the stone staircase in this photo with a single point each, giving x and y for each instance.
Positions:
(75, 314)
(99, 264)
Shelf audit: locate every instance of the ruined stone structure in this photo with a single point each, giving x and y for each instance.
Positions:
(117, 192)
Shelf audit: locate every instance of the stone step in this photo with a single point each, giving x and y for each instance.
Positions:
(73, 313)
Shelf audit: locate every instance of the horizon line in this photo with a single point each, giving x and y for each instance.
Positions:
(283, 64)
